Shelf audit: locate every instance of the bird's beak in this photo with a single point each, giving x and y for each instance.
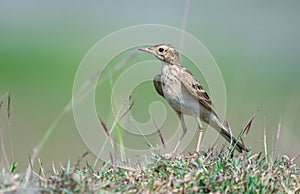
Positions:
(148, 50)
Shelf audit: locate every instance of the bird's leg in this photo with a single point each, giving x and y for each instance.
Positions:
(184, 129)
(200, 134)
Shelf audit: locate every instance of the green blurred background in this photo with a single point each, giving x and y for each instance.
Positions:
(256, 45)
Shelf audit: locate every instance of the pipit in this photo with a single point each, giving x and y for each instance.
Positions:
(185, 95)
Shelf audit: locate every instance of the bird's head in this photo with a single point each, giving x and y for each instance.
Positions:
(164, 52)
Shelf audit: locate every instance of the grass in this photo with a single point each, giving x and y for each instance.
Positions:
(208, 171)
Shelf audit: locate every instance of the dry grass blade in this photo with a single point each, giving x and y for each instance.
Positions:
(277, 138)
(242, 141)
(69, 107)
(104, 126)
(117, 118)
(265, 140)
(243, 132)
(96, 75)
(294, 158)
(88, 82)
(8, 108)
(77, 163)
(111, 159)
(125, 61)
(210, 152)
(29, 168)
(184, 22)
(42, 172)
(159, 133)
(1, 102)
(130, 105)
(229, 129)
(248, 126)
(54, 169)
(230, 132)
(106, 130)
(3, 150)
(288, 160)
(84, 154)
(2, 144)
(9, 122)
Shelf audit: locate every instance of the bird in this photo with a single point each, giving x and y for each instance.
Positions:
(186, 95)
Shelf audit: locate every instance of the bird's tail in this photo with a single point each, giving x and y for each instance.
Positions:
(238, 145)
(215, 123)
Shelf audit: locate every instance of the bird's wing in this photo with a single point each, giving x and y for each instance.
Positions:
(194, 87)
(157, 84)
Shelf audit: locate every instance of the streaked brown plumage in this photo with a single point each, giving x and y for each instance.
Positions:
(185, 94)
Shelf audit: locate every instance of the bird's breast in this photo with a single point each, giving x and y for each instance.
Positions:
(176, 94)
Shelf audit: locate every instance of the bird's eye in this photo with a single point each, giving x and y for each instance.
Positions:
(161, 50)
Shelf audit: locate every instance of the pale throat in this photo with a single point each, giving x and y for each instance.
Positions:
(169, 74)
